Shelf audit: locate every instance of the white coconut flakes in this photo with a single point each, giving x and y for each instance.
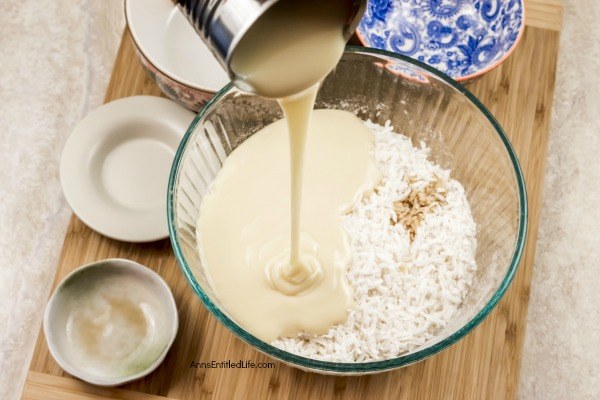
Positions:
(413, 245)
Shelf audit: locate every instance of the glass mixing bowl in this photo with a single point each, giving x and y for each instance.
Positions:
(421, 103)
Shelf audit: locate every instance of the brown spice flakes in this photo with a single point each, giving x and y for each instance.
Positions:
(412, 210)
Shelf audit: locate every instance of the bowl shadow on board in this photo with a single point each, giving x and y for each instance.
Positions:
(461, 134)
(141, 252)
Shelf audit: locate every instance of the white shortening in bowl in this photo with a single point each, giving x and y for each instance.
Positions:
(111, 322)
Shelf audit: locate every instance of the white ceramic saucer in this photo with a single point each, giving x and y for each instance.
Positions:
(115, 166)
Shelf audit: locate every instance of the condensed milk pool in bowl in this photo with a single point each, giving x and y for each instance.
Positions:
(461, 135)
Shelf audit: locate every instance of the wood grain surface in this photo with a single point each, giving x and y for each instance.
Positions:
(545, 14)
(484, 365)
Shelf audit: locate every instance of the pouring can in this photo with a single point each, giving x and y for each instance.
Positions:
(223, 23)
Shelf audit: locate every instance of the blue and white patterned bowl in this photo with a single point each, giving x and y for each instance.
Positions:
(462, 38)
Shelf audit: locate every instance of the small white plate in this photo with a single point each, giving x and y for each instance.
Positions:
(115, 166)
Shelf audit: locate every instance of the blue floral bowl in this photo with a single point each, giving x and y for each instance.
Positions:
(462, 38)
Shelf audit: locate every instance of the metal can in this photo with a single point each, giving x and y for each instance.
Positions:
(223, 23)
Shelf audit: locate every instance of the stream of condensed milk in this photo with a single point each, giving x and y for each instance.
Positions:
(269, 230)
(244, 226)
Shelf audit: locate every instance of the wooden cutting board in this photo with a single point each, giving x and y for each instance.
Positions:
(484, 365)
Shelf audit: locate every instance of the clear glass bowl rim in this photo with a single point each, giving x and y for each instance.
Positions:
(365, 367)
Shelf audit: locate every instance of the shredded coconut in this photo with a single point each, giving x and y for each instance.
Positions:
(413, 243)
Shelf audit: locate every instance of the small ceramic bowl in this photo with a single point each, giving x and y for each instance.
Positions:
(462, 38)
(111, 322)
(172, 52)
